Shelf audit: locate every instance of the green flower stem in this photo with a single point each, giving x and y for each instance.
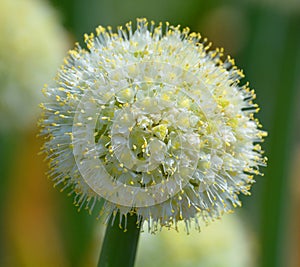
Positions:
(119, 246)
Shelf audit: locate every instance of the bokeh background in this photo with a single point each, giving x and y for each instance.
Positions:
(39, 226)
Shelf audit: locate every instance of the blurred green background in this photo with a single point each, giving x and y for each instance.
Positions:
(40, 227)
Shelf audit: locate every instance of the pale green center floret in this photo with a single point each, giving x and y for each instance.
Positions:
(154, 138)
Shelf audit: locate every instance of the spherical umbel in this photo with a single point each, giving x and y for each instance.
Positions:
(155, 123)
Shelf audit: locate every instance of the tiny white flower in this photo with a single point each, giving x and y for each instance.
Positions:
(154, 123)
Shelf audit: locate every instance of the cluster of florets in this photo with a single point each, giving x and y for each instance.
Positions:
(153, 122)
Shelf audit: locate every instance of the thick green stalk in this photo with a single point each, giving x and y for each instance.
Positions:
(119, 246)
